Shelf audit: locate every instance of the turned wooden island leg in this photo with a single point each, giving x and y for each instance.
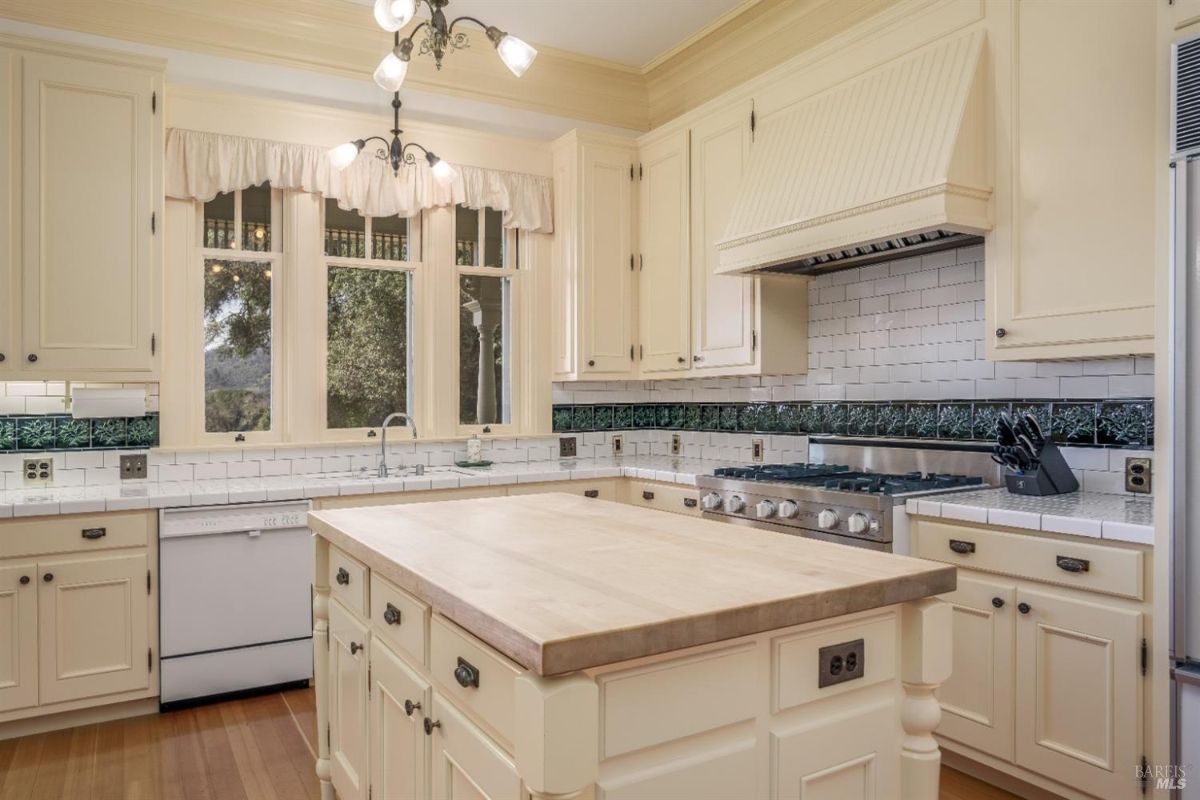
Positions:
(557, 735)
(925, 664)
(321, 664)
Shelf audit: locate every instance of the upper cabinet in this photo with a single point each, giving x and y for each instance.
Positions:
(81, 275)
(593, 284)
(10, 252)
(1070, 262)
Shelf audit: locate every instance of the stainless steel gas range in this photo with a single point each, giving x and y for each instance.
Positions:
(850, 492)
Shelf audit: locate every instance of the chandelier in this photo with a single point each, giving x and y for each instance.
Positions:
(439, 38)
(394, 152)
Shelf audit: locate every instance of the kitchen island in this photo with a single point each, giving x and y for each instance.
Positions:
(557, 646)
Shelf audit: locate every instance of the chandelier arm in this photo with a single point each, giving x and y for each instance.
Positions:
(468, 19)
(379, 139)
(424, 150)
(413, 32)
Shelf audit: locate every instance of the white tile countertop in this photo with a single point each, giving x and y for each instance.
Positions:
(130, 495)
(1098, 516)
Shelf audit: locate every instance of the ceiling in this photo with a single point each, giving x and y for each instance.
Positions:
(631, 32)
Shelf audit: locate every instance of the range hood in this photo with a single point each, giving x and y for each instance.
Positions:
(891, 163)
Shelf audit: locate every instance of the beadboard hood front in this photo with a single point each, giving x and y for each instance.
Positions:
(892, 162)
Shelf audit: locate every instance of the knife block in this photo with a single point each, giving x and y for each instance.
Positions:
(1052, 476)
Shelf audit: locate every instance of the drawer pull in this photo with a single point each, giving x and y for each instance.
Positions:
(998, 602)
(94, 533)
(343, 577)
(466, 673)
(1073, 564)
(961, 547)
(647, 495)
(592, 493)
(430, 725)
(690, 502)
(355, 647)
(24, 580)
(1024, 608)
(391, 615)
(410, 707)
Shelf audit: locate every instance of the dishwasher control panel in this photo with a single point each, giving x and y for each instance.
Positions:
(234, 519)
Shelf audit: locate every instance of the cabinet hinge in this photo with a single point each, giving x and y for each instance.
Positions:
(368, 678)
(329, 737)
(1144, 775)
(753, 340)
(641, 262)
(1145, 656)
(631, 262)
(147, 581)
(154, 102)
(641, 351)
(149, 659)
(631, 352)
(631, 172)
(640, 173)
(153, 222)
(153, 344)
(753, 123)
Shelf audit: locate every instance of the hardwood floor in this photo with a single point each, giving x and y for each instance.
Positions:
(259, 748)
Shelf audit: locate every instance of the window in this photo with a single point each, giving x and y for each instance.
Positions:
(239, 264)
(368, 318)
(486, 257)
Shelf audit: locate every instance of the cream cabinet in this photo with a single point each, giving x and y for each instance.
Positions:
(1070, 263)
(348, 710)
(78, 616)
(467, 764)
(399, 757)
(664, 308)
(83, 251)
(593, 282)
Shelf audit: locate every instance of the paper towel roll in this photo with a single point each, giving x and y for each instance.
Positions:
(88, 403)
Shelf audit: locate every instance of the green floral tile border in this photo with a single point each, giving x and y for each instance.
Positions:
(20, 433)
(1094, 423)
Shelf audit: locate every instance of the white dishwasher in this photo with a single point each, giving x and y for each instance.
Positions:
(235, 599)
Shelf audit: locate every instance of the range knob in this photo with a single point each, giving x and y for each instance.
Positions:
(828, 519)
(764, 509)
(858, 522)
(735, 504)
(711, 501)
(788, 509)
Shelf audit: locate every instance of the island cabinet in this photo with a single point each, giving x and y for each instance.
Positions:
(435, 680)
(81, 253)
(78, 623)
(1049, 645)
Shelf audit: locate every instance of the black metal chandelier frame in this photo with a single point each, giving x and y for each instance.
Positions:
(396, 152)
(440, 36)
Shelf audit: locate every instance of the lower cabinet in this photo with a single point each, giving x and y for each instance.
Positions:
(18, 635)
(399, 747)
(866, 768)
(1047, 680)
(467, 764)
(347, 703)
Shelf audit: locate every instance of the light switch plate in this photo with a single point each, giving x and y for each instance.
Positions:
(756, 447)
(618, 445)
(133, 467)
(1137, 475)
(567, 447)
(37, 471)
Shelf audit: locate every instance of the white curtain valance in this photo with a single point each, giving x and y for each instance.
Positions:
(201, 165)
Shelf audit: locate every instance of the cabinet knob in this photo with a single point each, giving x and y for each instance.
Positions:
(32, 357)
(355, 647)
(681, 359)
(1024, 608)
(998, 602)
(343, 577)
(49, 576)
(1001, 333)
(391, 615)
(24, 580)
(430, 725)
(2, 357)
(697, 358)
(591, 363)
(466, 673)
(410, 707)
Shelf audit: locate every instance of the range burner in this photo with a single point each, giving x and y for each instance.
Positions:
(781, 472)
(900, 484)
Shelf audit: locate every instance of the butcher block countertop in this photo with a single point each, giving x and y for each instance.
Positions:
(560, 583)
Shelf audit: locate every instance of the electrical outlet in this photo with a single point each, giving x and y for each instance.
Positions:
(756, 448)
(38, 471)
(133, 467)
(1137, 475)
(567, 447)
(839, 663)
(618, 444)
(676, 444)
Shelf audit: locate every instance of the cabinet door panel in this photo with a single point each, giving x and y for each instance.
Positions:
(856, 757)
(664, 305)
(347, 703)
(467, 765)
(722, 305)
(18, 636)
(977, 700)
(10, 251)
(90, 151)
(93, 631)
(399, 746)
(606, 302)
(1078, 712)
(1071, 264)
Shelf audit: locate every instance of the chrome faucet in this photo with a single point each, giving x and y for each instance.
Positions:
(383, 467)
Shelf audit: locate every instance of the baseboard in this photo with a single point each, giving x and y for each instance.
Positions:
(73, 719)
(998, 778)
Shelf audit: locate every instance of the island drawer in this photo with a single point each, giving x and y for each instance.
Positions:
(480, 680)
(77, 533)
(348, 581)
(399, 618)
(1091, 567)
(665, 497)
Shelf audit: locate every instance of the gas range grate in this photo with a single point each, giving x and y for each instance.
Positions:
(781, 472)
(900, 484)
